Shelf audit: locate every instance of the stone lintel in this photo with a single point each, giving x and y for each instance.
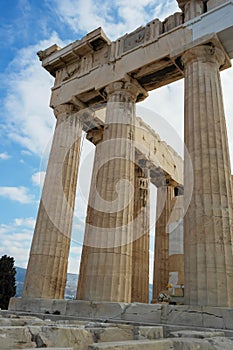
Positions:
(150, 66)
(149, 54)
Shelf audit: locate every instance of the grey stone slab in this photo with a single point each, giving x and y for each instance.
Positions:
(138, 312)
(182, 315)
(146, 332)
(59, 307)
(221, 343)
(196, 334)
(217, 317)
(46, 306)
(79, 308)
(108, 310)
(24, 304)
(59, 336)
(15, 337)
(163, 344)
(191, 344)
(112, 334)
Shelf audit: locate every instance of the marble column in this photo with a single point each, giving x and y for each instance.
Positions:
(89, 244)
(208, 222)
(47, 266)
(109, 225)
(140, 255)
(165, 195)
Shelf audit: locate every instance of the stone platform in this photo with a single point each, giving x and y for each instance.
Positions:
(56, 333)
(172, 317)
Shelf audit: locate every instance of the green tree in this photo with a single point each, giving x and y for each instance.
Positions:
(7, 280)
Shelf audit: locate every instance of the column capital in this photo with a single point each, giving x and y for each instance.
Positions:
(66, 109)
(133, 91)
(95, 135)
(191, 8)
(204, 54)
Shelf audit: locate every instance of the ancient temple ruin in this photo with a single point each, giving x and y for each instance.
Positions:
(193, 44)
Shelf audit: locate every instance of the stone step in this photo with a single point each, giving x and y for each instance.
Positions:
(66, 335)
(162, 344)
(187, 333)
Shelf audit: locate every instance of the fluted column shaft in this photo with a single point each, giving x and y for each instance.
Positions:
(165, 194)
(89, 244)
(140, 255)
(208, 222)
(47, 266)
(109, 225)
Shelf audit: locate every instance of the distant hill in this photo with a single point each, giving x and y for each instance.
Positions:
(71, 284)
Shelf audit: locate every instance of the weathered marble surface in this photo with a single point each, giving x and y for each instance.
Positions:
(182, 315)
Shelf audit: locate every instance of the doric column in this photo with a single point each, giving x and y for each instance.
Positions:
(140, 255)
(176, 245)
(208, 222)
(109, 226)
(191, 8)
(165, 194)
(47, 267)
(89, 244)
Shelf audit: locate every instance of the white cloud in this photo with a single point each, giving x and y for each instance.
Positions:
(16, 239)
(115, 18)
(4, 156)
(38, 178)
(30, 120)
(26, 222)
(18, 194)
(26, 153)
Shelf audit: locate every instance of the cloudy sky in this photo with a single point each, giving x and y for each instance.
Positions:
(27, 122)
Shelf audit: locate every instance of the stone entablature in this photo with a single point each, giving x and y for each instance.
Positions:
(150, 54)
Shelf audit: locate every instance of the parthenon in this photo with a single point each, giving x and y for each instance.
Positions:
(97, 85)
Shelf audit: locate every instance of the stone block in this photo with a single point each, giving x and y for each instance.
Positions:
(134, 345)
(221, 343)
(59, 306)
(214, 3)
(138, 312)
(216, 317)
(92, 310)
(46, 306)
(146, 332)
(191, 344)
(182, 315)
(108, 310)
(58, 336)
(24, 304)
(79, 308)
(196, 334)
(112, 334)
(15, 338)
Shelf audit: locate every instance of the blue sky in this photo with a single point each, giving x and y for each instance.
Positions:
(27, 122)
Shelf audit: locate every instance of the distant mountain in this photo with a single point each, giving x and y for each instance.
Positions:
(71, 284)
